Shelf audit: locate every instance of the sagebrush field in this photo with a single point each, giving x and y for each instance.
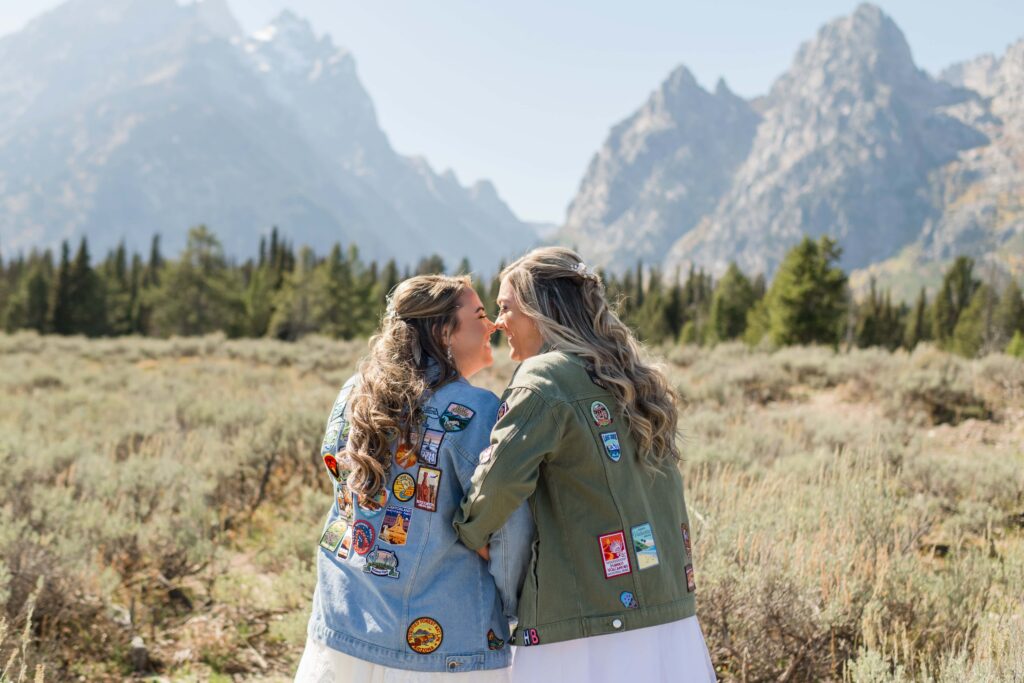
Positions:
(857, 516)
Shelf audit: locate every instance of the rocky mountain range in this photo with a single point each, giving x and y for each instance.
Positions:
(905, 169)
(124, 118)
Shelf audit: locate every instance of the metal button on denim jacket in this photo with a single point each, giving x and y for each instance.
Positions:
(612, 549)
(394, 584)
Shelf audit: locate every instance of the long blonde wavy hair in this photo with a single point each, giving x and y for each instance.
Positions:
(567, 301)
(387, 404)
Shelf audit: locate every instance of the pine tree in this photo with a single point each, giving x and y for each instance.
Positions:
(958, 286)
(199, 293)
(1009, 314)
(86, 295)
(60, 300)
(733, 298)
(918, 326)
(807, 299)
(1016, 346)
(974, 333)
(28, 306)
(295, 305)
(119, 303)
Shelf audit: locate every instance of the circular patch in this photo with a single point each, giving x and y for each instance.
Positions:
(332, 464)
(374, 504)
(363, 536)
(404, 487)
(602, 416)
(502, 409)
(424, 635)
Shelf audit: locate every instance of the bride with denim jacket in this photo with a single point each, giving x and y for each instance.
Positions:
(398, 598)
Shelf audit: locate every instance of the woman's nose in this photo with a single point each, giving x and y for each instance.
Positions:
(499, 323)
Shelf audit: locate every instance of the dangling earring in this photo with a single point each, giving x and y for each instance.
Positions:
(451, 358)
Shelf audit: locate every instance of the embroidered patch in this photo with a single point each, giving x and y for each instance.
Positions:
(602, 416)
(628, 600)
(382, 562)
(331, 463)
(685, 528)
(614, 554)
(530, 637)
(690, 584)
(330, 442)
(643, 546)
(431, 446)
(344, 496)
(502, 409)
(485, 455)
(346, 545)
(371, 506)
(456, 417)
(611, 445)
(428, 480)
(404, 487)
(363, 536)
(493, 641)
(424, 635)
(333, 535)
(395, 527)
(405, 456)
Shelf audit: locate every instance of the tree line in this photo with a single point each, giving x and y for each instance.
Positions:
(286, 293)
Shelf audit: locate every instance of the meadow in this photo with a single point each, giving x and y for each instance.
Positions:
(857, 516)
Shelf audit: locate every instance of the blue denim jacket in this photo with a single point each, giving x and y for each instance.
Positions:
(394, 584)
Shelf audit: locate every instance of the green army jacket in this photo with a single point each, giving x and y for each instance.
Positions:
(611, 551)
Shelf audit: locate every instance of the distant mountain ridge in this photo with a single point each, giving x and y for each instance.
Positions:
(853, 140)
(122, 118)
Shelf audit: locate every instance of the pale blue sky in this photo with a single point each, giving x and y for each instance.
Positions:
(525, 92)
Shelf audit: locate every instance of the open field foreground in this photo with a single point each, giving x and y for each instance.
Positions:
(858, 517)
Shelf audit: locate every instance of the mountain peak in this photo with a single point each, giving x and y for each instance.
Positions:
(681, 78)
(217, 16)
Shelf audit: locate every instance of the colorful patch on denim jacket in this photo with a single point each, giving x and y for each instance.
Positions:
(404, 487)
(335, 531)
(405, 455)
(431, 446)
(395, 527)
(424, 635)
(493, 641)
(331, 463)
(456, 417)
(373, 504)
(427, 485)
(363, 536)
(346, 545)
(381, 562)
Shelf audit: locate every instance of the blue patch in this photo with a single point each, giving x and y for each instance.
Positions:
(456, 417)
(611, 445)
(628, 600)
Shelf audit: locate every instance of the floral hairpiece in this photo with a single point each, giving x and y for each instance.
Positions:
(584, 271)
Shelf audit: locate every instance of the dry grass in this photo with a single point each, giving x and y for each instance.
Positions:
(857, 517)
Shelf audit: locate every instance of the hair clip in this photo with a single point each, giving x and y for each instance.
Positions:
(584, 271)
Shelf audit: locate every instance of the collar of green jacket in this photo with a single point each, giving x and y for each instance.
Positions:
(612, 547)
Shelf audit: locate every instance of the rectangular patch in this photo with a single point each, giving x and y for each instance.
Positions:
(643, 546)
(428, 482)
(394, 530)
(346, 545)
(690, 584)
(685, 529)
(333, 534)
(614, 554)
(431, 446)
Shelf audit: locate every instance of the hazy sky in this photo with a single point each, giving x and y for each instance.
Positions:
(525, 92)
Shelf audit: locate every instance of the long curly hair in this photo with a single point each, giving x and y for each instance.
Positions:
(387, 403)
(567, 301)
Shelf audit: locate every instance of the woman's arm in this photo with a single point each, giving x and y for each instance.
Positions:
(528, 432)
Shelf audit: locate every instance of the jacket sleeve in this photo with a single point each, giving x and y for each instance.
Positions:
(510, 557)
(526, 435)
